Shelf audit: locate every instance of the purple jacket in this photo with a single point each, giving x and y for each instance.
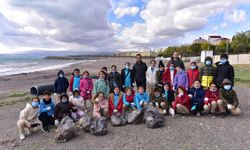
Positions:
(181, 79)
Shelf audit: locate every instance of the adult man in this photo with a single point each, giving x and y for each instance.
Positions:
(176, 61)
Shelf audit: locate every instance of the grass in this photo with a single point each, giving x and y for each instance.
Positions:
(242, 75)
(14, 98)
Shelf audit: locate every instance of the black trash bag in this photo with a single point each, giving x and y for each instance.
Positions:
(135, 117)
(66, 130)
(85, 122)
(117, 119)
(99, 126)
(153, 118)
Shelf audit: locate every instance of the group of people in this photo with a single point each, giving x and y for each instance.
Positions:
(169, 89)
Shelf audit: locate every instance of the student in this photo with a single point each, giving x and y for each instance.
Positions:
(126, 77)
(192, 73)
(141, 99)
(128, 100)
(169, 74)
(223, 70)
(115, 101)
(75, 80)
(61, 84)
(181, 103)
(101, 106)
(101, 85)
(207, 72)
(28, 118)
(105, 70)
(159, 73)
(63, 108)
(157, 100)
(196, 93)
(180, 79)
(114, 79)
(168, 95)
(151, 76)
(78, 103)
(86, 87)
(46, 110)
(229, 98)
(212, 99)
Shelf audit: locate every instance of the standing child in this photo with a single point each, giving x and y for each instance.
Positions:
(78, 104)
(192, 73)
(28, 118)
(207, 72)
(157, 100)
(141, 98)
(126, 77)
(196, 93)
(75, 80)
(159, 73)
(180, 78)
(101, 85)
(86, 87)
(115, 101)
(128, 100)
(151, 76)
(101, 106)
(169, 74)
(181, 103)
(114, 79)
(61, 85)
(168, 95)
(46, 110)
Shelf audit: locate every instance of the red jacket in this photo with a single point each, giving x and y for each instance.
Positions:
(111, 103)
(184, 100)
(193, 74)
(212, 96)
(166, 76)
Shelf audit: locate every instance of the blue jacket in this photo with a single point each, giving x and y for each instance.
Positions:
(141, 97)
(43, 107)
(198, 96)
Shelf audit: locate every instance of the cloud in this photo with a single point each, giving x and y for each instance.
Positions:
(236, 16)
(123, 11)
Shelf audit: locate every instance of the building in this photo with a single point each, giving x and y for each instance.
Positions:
(217, 39)
(146, 52)
(200, 41)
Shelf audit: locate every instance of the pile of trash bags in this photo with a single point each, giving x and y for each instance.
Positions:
(153, 118)
(118, 119)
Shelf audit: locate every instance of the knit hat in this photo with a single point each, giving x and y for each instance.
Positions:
(161, 64)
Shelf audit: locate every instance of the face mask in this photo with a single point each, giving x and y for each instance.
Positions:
(102, 76)
(34, 104)
(61, 75)
(64, 100)
(227, 87)
(193, 67)
(208, 62)
(126, 67)
(223, 61)
(157, 96)
(84, 76)
(180, 94)
(129, 94)
(171, 68)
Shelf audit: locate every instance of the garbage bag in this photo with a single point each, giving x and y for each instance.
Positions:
(118, 119)
(85, 122)
(99, 126)
(153, 118)
(66, 130)
(135, 117)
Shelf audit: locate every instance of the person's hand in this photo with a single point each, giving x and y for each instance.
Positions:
(56, 122)
(133, 84)
(157, 104)
(141, 102)
(229, 106)
(88, 92)
(190, 95)
(48, 108)
(55, 94)
(132, 104)
(171, 112)
(187, 89)
(70, 93)
(206, 99)
(97, 100)
(173, 88)
(115, 111)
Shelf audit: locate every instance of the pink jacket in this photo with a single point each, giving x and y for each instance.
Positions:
(86, 87)
(97, 106)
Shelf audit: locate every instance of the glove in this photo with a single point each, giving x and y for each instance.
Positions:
(97, 100)
(193, 108)
(190, 95)
(48, 108)
(187, 89)
(88, 92)
(206, 99)
(173, 88)
(133, 104)
(56, 122)
(171, 112)
(141, 102)
(133, 84)
(115, 111)
(164, 111)
(55, 94)
(229, 106)
(157, 104)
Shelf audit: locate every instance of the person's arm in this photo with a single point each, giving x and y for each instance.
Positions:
(235, 99)
(95, 87)
(71, 84)
(111, 105)
(201, 74)
(231, 76)
(137, 103)
(183, 66)
(23, 114)
(223, 98)
(66, 84)
(186, 78)
(42, 108)
(124, 100)
(175, 82)
(55, 86)
(122, 77)
(91, 85)
(147, 97)
(56, 112)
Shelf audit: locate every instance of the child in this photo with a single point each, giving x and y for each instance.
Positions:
(101, 85)
(168, 75)
(126, 77)
(101, 106)
(157, 100)
(114, 79)
(196, 93)
(75, 80)
(151, 76)
(105, 70)
(212, 99)
(181, 103)
(168, 95)
(115, 101)
(128, 100)
(192, 73)
(86, 87)
(229, 98)
(207, 72)
(28, 118)
(141, 98)
(63, 108)
(159, 73)
(223, 70)
(180, 78)
(46, 110)
(61, 85)
(78, 103)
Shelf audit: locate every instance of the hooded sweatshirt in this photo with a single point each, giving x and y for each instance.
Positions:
(184, 100)
(207, 73)
(61, 84)
(228, 97)
(29, 113)
(224, 71)
(86, 85)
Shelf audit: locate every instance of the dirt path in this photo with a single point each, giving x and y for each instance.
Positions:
(180, 132)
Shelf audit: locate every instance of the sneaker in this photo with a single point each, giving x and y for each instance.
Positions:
(164, 112)
(198, 114)
(22, 136)
(45, 129)
(171, 112)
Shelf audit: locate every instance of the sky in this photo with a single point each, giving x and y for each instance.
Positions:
(115, 25)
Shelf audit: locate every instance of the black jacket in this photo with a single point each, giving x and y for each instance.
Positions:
(177, 62)
(63, 109)
(222, 72)
(61, 84)
(123, 76)
(170, 97)
(139, 71)
(114, 78)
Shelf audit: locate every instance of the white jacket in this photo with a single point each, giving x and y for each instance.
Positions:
(151, 75)
(29, 113)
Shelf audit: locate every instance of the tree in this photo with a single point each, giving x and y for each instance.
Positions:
(195, 48)
(241, 42)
